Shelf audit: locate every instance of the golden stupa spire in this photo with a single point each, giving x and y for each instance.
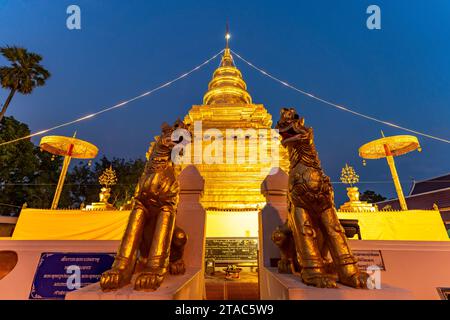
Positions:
(227, 85)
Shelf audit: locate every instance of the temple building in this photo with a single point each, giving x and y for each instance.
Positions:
(426, 194)
(234, 149)
(232, 194)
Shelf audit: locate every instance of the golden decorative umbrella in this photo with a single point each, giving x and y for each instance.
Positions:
(390, 147)
(69, 147)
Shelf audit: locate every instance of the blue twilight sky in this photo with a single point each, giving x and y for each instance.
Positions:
(400, 73)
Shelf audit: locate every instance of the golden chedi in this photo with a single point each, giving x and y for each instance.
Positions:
(229, 143)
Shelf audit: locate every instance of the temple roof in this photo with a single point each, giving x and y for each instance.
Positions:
(227, 85)
(423, 201)
(424, 194)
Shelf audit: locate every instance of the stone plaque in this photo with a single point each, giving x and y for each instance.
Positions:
(232, 250)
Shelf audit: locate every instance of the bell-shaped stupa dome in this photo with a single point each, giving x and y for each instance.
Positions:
(227, 85)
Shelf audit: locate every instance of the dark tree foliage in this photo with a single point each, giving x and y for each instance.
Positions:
(371, 196)
(22, 166)
(83, 186)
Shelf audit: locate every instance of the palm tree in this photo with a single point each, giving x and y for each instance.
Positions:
(24, 74)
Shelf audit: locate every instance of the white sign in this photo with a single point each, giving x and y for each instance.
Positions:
(367, 258)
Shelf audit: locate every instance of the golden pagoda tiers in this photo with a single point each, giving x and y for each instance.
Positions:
(228, 112)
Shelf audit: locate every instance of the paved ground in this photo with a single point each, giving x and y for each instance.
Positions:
(244, 288)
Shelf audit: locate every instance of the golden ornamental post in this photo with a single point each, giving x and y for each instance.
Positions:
(62, 178)
(395, 178)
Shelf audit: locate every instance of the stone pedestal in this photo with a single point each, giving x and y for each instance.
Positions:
(412, 270)
(189, 286)
(290, 287)
(99, 206)
(354, 204)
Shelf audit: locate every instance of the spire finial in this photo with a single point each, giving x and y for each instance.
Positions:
(227, 36)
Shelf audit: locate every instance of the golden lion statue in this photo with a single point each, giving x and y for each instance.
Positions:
(152, 245)
(312, 230)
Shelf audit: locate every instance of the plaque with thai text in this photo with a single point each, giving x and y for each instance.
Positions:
(232, 250)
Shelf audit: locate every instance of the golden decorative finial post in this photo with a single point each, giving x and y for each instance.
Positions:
(107, 179)
(349, 176)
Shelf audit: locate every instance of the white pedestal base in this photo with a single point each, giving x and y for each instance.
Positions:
(290, 287)
(190, 286)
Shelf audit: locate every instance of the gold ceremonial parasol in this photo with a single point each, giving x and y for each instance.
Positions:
(59, 145)
(390, 147)
(69, 147)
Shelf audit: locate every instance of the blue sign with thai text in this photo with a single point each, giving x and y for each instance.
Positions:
(60, 273)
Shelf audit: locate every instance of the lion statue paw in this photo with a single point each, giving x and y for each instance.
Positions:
(114, 279)
(177, 267)
(148, 281)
